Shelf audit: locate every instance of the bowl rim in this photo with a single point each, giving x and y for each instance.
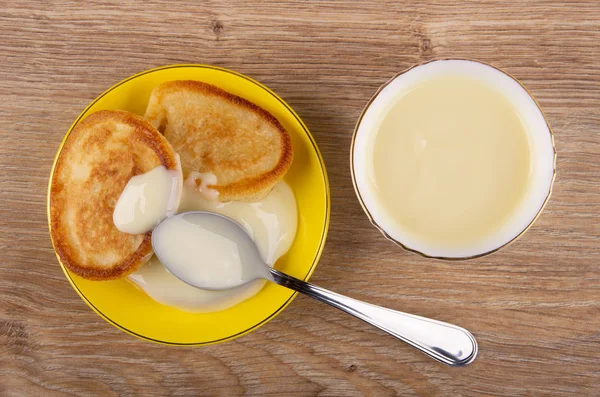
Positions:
(323, 174)
(415, 251)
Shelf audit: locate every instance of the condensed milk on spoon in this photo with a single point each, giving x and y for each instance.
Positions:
(453, 159)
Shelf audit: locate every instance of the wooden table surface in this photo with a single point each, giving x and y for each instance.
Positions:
(534, 307)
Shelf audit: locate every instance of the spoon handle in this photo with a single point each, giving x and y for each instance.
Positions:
(444, 342)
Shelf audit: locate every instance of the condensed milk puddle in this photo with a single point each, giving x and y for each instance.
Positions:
(271, 223)
(206, 179)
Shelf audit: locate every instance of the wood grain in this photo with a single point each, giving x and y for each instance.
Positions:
(534, 307)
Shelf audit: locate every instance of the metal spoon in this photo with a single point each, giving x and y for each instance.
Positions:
(444, 342)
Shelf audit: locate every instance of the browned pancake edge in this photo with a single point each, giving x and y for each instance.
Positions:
(249, 189)
(141, 251)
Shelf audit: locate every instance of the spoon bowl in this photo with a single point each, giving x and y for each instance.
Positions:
(230, 257)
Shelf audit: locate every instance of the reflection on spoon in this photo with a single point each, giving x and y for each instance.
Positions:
(211, 251)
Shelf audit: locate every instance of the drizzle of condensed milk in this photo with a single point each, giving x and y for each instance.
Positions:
(271, 223)
(148, 199)
(206, 179)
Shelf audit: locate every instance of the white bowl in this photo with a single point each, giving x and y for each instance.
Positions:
(542, 153)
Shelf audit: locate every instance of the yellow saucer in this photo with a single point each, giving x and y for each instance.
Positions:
(131, 310)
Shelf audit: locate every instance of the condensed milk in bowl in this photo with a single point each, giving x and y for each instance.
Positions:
(453, 159)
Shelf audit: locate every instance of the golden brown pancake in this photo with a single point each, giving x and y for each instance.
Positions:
(97, 160)
(214, 131)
